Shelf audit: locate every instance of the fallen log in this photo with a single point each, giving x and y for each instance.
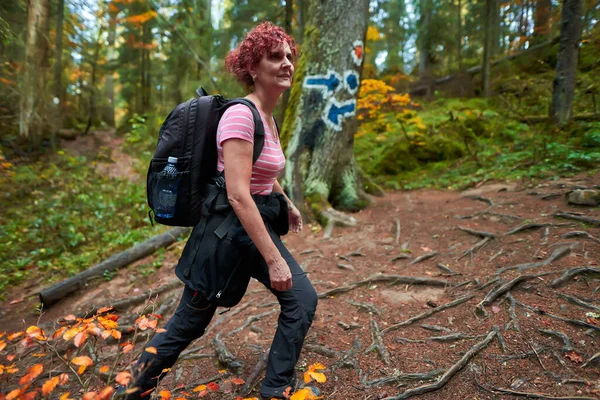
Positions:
(62, 289)
(536, 119)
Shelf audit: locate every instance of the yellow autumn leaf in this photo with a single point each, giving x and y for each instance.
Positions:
(199, 388)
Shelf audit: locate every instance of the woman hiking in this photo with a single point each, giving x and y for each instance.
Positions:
(251, 244)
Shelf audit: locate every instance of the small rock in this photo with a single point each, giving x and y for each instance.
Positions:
(432, 303)
(586, 197)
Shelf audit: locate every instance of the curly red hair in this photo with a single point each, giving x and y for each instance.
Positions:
(249, 52)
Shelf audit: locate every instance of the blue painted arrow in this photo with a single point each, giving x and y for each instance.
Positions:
(336, 112)
(352, 81)
(330, 83)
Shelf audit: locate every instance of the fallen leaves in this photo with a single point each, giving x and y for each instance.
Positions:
(151, 350)
(82, 362)
(573, 356)
(123, 378)
(313, 373)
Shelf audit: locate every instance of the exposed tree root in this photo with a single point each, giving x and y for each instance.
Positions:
(452, 337)
(424, 257)
(565, 339)
(366, 306)
(400, 257)
(445, 378)
(579, 218)
(321, 350)
(476, 247)
(251, 319)
(393, 279)
(579, 302)
(509, 216)
(429, 313)
(258, 369)
(350, 326)
(556, 255)
(575, 322)
(529, 226)
(512, 313)
(571, 272)
(593, 359)
(226, 358)
(446, 269)
(348, 358)
(377, 343)
(399, 378)
(495, 390)
(436, 328)
(479, 234)
(480, 198)
(501, 289)
(580, 234)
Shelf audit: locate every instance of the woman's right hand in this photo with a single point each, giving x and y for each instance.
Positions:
(280, 275)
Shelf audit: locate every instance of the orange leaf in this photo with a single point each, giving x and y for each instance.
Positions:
(2, 345)
(63, 378)
(35, 332)
(165, 394)
(14, 394)
(123, 378)
(152, 324)
(81, 370)
(49, 385)
(28, 396)
(104, 309)
(104, 369)
(199, 388)
(115, 334)
(105, 394)
(59, 332)
(13, 336)
(71, 333)
(151, 350)
(70, 317)
(213, 387)
(10, 357)
(90, 396)
(127, 348)
(160, 330)
(80, 339)
(65, 396)
(238, 381)
(82, 361)
(33, 372)
(573, 356)
(143, 323)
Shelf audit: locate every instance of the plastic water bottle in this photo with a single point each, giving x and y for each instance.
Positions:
(166, 190)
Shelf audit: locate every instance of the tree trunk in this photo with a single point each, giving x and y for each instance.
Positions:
(33, 99)
(59, 93)
(459, 39)
(302, 11)
(108, 116)
(92, 110)
(541, 27)
(289, 14)
(487, 46)
(320, 118)
(566, 65)
(425, 38)
(496, 29)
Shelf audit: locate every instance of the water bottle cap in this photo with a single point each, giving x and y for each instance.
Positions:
(173, 160)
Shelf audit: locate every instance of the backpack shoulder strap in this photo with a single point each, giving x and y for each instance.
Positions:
(259, 128)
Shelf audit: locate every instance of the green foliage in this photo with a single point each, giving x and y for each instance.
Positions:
(60, 216)
(463, 142)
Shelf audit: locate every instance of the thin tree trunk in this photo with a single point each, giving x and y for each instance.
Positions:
(302, 10)
(111, 58)
(541, 24)
(425, 35)
(487, 48)
(320, 123)
(289, 14)
(58, 69)
(459, 39)
(92, 111)
(33, 79)
(566, 65)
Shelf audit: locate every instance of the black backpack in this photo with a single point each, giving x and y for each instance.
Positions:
(190, 133)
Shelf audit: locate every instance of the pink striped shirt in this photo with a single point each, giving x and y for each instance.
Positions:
(237, 123)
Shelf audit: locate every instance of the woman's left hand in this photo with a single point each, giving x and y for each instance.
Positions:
(295, 219)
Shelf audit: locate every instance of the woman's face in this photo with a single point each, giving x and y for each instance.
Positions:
(275, 69)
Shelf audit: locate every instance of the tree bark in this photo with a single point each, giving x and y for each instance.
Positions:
(289, 14)
(320, 119)
(541, 18)
(459, 39)
(108, 116)
(59, 93)
(92, 103)
(487, 47)
(33, 83)
(566, 65)
(425, 37)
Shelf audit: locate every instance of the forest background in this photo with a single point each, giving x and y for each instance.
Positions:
(453, 94)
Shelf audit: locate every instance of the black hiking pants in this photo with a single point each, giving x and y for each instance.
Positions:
(194, 313)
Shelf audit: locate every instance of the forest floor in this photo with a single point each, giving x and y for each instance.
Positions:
(490, 308)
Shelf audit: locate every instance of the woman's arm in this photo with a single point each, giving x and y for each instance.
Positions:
(294, 214)
(237, 157)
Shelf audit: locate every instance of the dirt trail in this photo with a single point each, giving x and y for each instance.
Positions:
(390, 237)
